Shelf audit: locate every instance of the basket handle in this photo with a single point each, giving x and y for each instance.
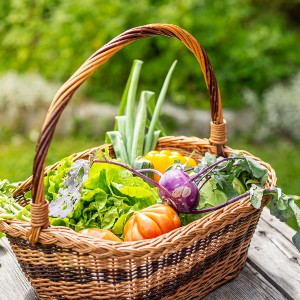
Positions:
(39, 206)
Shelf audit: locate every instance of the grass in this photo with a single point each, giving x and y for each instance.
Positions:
(17, 156)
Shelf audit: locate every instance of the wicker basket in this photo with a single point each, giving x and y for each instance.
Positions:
(186, 263)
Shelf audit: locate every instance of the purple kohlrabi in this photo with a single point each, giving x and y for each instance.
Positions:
(184, 191)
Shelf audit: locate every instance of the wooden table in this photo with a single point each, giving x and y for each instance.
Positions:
(272, 270)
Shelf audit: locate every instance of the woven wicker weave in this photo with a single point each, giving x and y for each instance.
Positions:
(186, 263)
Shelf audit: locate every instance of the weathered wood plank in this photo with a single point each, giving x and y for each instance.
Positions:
(273, 254)
(249, 284)
(13, 283)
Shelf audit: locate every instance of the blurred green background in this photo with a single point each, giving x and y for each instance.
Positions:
(253, 46)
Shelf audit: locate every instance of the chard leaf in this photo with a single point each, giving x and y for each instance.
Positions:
(256, 194)
(70, 193)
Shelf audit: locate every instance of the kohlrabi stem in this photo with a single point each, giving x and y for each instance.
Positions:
(189, 169)
(224, 168)
(135, 172)
(204, 210)
(211, 167)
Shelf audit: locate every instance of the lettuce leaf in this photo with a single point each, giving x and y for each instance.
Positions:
(55, 178)
(108, 197)
(210, 196)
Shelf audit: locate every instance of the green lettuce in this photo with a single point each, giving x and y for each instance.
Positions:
(209, 196)
(109, 196)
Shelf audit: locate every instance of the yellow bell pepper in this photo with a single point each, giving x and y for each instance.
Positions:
(163, 159)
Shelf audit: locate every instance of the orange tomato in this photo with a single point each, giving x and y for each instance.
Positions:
(163, 159)
(102, 234)
(151, 222)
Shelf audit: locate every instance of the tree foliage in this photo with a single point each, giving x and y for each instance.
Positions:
(248, 45)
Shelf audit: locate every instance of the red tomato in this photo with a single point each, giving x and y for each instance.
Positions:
(151, 222)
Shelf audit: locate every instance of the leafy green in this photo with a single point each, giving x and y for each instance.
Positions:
(9, 208)
(229, 179)
(283, 207)
(226, 179)
(280, 205)
(54, 179)
(210, 195)
(238, 186)
(256, 195)
(108, 197)
(225, 184)
(69, 194)
(233, 175)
